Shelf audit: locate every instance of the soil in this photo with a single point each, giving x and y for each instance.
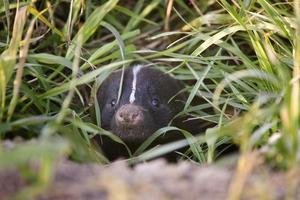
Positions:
(157, 180)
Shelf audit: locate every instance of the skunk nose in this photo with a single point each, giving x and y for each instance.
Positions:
(129, 115)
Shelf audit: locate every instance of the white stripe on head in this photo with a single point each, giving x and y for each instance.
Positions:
(135, 72)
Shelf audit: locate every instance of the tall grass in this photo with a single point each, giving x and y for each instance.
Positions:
(241, 57)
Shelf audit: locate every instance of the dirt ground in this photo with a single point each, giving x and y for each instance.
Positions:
(156, 180)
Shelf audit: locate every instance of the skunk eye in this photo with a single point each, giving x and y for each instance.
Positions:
(113, 102)
(155, 102)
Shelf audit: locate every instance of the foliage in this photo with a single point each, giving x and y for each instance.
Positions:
(241, 57)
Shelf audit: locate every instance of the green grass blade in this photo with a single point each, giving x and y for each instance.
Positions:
(90, 26)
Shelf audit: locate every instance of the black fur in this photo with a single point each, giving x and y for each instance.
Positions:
(159, 98)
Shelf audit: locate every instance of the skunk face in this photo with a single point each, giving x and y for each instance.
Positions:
(148, 102)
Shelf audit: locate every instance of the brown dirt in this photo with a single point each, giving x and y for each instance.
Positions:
(154, 180)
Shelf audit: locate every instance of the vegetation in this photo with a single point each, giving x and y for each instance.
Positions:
(241, 57)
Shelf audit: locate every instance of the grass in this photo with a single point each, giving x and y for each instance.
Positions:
(241, 57)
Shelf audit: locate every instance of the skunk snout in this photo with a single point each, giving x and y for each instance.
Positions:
(129, 115)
